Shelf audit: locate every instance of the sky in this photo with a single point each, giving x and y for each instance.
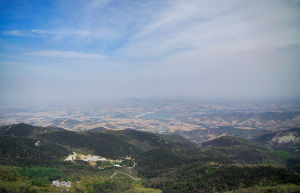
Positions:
(90, 50)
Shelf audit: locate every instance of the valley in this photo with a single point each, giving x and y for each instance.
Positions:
(197, 120)
(161, 116)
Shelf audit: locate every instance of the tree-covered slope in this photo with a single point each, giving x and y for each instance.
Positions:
(26, 130)
(107, 143)
(103, 144)
(201, 177)
(167, 162)
(17, 151)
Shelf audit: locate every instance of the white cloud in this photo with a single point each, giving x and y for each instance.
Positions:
(65, 54)
(180, 13)
(215, 25)
(101, 33)
(13, 33)
(61, 32)
(96, 4)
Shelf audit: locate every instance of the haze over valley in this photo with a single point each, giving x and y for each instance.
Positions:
(210, 118)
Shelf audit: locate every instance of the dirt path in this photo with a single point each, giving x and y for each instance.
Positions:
(124, 174)
(113, 175)
(131, 176)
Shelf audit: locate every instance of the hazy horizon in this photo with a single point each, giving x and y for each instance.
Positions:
(84, 51)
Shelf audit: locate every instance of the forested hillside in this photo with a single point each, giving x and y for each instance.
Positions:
(153, 162)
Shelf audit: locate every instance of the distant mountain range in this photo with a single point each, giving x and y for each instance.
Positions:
(202, 135)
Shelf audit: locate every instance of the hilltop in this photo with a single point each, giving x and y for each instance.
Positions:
(26, 130)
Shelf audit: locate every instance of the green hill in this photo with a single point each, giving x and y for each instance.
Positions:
(106, 143)
(239, 150)
(167, 162)
(26, 130)
(19, 151)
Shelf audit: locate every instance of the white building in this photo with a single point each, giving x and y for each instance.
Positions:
(71, 157)
(92, 158)
(38, 143)
(63, 183)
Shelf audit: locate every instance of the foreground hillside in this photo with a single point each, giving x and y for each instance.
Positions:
(133, 161)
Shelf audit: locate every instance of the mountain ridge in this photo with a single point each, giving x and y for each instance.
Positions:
(159, 160)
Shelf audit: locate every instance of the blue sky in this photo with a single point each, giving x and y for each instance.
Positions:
(101, 49)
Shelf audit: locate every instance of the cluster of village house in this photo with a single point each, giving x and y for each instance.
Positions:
(60, 184)
(92, 159)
